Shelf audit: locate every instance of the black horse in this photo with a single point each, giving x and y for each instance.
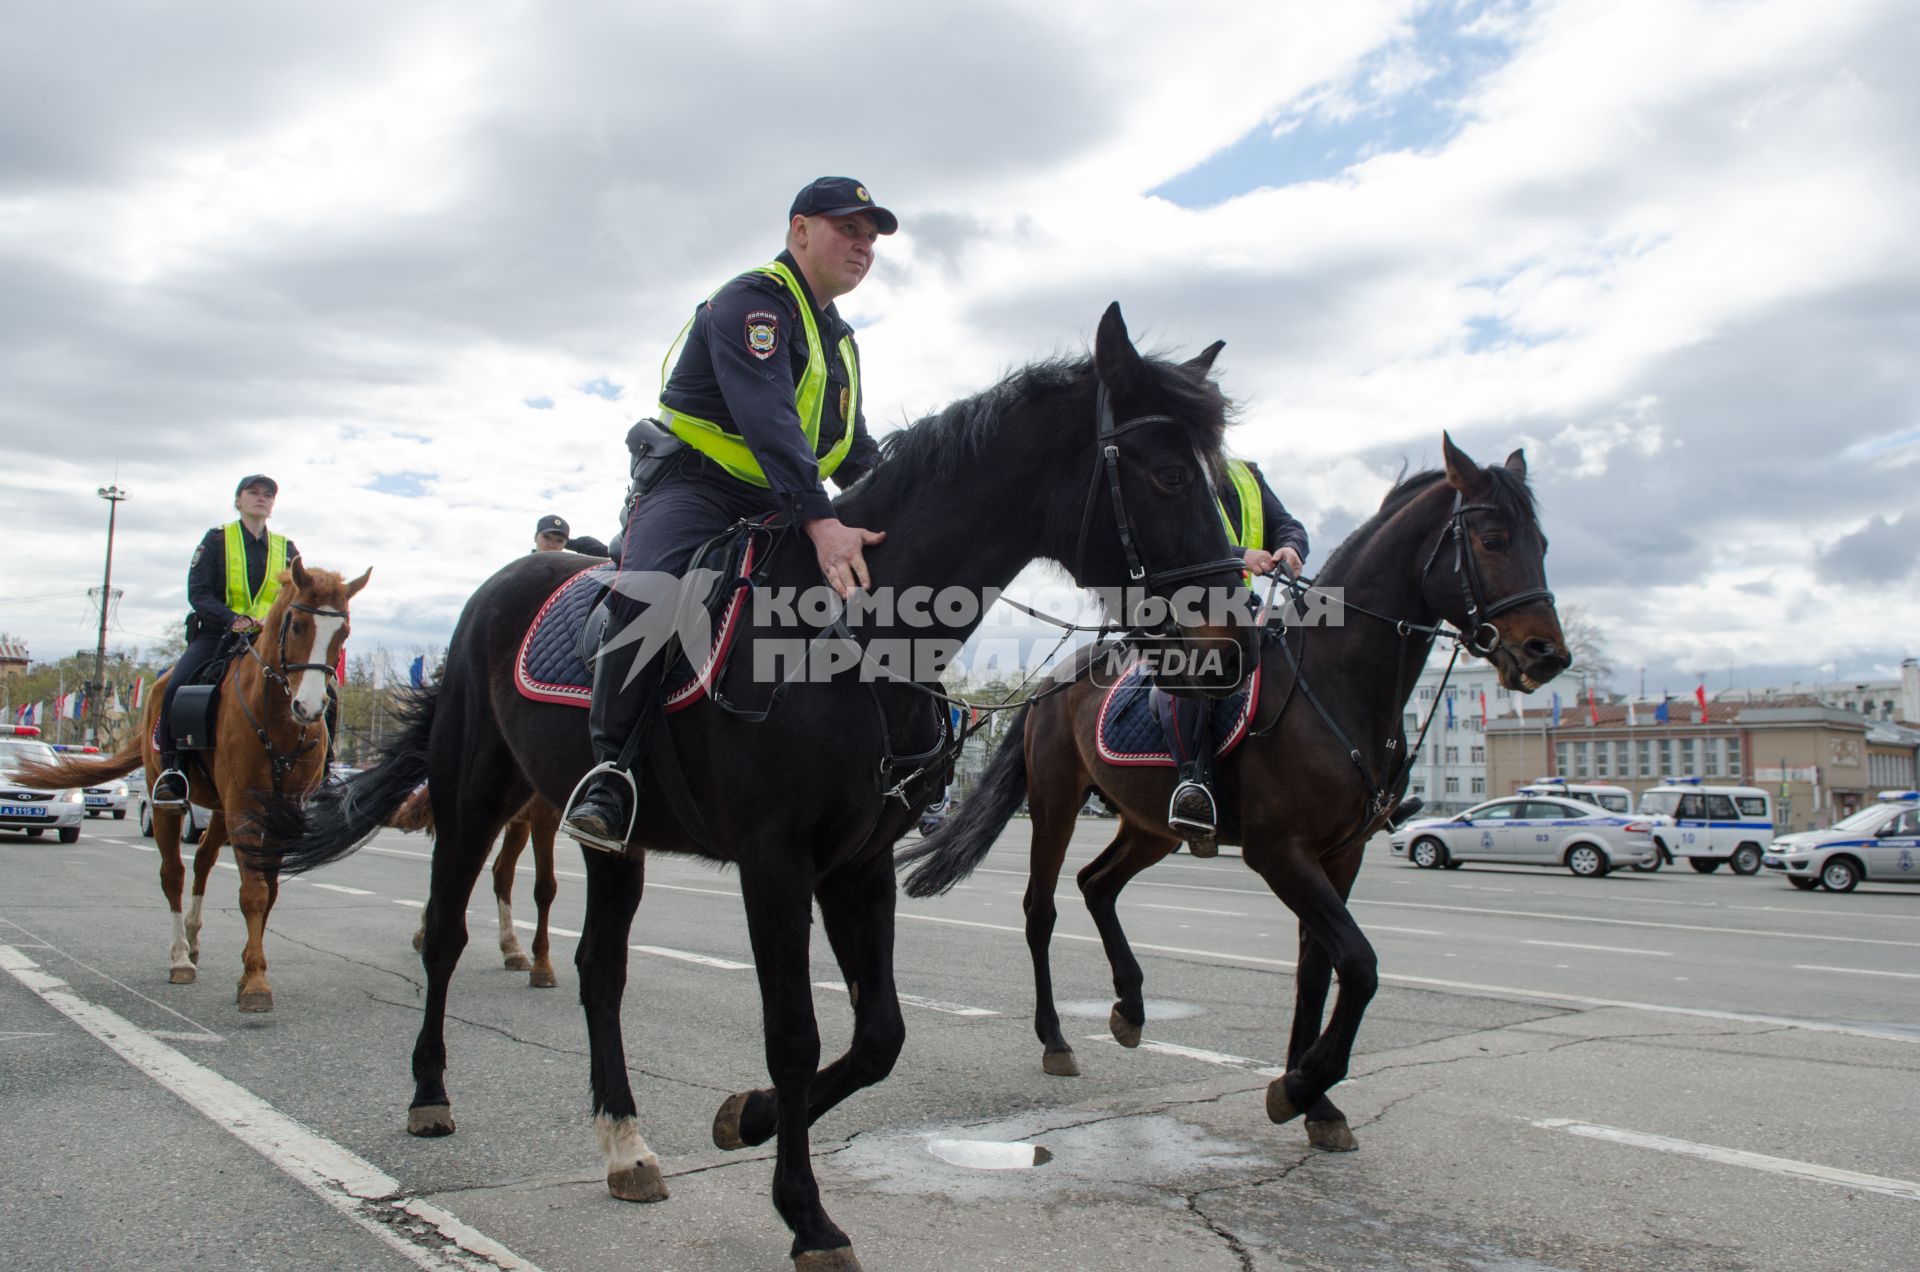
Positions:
(1325, 764)
(1103, 465)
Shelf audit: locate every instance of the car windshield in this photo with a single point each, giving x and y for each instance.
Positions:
(13, 755)
(1612, 803)
(1866, 818)
(1660, 803)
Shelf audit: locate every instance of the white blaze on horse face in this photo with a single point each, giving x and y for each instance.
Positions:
(310, 687)
(621, 1145)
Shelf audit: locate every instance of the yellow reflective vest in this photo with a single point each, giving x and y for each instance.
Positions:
(256, 605)
(730, 450)
(1252, 530)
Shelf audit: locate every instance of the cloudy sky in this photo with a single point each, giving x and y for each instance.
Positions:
(421, 264)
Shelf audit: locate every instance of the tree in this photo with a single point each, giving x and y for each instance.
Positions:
(1591, 663)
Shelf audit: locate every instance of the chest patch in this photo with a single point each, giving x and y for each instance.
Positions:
(763, 333)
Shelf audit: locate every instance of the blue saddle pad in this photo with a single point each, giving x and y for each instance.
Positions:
(1129, 731)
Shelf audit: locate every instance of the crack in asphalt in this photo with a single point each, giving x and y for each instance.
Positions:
(357, 962)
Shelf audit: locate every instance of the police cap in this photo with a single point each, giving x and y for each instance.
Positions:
(257, 479)
(551, 524)
(841, 196)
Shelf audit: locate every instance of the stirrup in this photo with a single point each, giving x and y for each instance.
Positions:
(172, 805)
(1199, 834)
(587, 840)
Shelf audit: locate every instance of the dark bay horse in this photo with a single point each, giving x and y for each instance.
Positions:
(1322, 770)
(1104, 465)
(538, 823)
(272, 709)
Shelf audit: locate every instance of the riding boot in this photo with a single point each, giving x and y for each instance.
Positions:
(1405, 811)
(601, 812)
(1191, 811)
(170, 787)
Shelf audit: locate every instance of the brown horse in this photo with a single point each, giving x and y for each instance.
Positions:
(1322, 770)
(538, 822)
(270, 740)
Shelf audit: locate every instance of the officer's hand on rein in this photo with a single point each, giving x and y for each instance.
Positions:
(838, 547)
(1259, 560)
(245, 624)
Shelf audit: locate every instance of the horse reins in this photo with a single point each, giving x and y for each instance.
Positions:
(284, 761)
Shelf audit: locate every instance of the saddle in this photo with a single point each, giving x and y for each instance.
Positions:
(1136, 718)
(554, 663)
(196, 704)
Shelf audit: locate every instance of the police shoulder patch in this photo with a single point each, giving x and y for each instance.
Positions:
(763, 333)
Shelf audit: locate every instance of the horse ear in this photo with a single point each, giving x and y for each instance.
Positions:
(1202, 362)
(1463, 474)
(1117, 362)
(353, 588)
(1517, 463)
(298, 572)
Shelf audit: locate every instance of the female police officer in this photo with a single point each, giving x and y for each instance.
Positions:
(231, 583)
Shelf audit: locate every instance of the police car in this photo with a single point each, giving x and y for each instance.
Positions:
(109, 797)
(1878, 844)
(1529, 830)
(25, 809)
(1710, 825)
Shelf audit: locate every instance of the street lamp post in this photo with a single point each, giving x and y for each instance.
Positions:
(95, 699)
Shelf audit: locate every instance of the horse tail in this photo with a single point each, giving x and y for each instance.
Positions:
(962, 842)
(339, 817)
(79, 771)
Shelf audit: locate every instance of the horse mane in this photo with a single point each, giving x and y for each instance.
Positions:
(925, 453)
(1509, 494)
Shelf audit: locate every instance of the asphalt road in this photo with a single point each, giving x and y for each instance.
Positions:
(1658, 1071)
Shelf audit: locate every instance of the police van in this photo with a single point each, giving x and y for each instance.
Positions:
(1615, 799)
(1878, 844)
(1710, 825)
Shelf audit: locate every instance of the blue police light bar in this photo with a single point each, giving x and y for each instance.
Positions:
(1548, 781)
(1898, 797)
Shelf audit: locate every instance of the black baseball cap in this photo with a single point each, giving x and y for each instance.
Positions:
(257, 479)
(841, 196)
(551, 524)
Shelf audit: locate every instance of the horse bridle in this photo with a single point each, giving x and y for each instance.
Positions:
(1467, 570)
(283, 761)
(1139, 569)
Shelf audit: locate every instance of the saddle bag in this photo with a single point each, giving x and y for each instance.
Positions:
(193, 717)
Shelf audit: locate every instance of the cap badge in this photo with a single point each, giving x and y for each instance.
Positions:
(861, 192)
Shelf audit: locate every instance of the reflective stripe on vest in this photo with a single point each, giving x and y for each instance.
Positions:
(730, 450)
(238, 601)
(1252, 530)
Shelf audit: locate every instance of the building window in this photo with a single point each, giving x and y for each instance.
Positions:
(1453, 786)
(1687, 762)
(1477, 755)
(1479, 785)
(1710, 757)
(1582, 758)
(1666, 759)
(1412, 723)
(1561, 754)
(1419, 788)
(1600, 767)
(1622, 759)
(1646, 757)
(1453, 755)
(1426, 693)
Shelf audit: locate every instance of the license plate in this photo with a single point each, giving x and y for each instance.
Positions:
(98, 801)
(20, 810)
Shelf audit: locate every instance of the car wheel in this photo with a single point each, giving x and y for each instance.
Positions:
(119, 814)
(69, 834)
(1648, 867)
(146, 821)
(1427, 853)
(1746, 859)
(1703, 865)
(1840, 874)
(1805, 885)
(1586, 861)
(191, 832)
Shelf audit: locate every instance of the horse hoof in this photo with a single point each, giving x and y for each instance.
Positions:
(1331, 1137)
(726, 1123)
(1204, 848)
(193, 956)
(640, 1182)
(1279, 1107)
(1060, 1064)
(419, 939)
(1125, 1032)
(517, 963)
(840, 1260)
(256, 1000)
(542, 978)
(430, 1121)
(182, 976)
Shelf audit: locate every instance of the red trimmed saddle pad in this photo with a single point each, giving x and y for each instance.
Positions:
(1130, 730)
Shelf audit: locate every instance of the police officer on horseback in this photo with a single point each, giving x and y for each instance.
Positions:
(231, 582)
(1268, 538)
(762, 406)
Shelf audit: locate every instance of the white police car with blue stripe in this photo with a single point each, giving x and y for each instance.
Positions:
(1878, 844)
(1530, 830)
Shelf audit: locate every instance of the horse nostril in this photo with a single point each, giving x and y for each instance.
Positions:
(1540, 647)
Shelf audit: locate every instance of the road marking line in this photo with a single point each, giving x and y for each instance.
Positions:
(683, 956)
(914, 1000)
(352, 892)
(1381, 927)
(1638, 923)
(1853, 971)
(1195, 1053)
(1604, 949)
(1190, 909)
(351, 1185)
(1901, 1188)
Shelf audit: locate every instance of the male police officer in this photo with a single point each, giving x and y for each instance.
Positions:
(1269, 537)
(231, 583)
(552, 534)
(766, 396)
